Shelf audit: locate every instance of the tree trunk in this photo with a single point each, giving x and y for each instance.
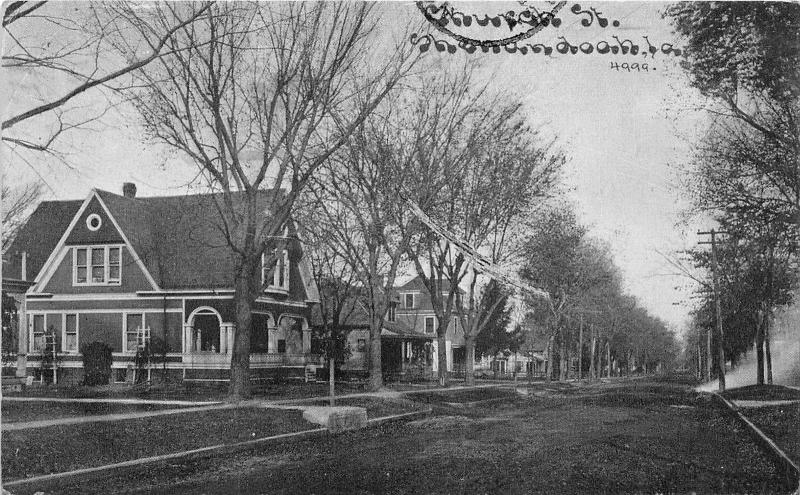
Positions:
(441, 352)
(608, 359)
(469, 348)
(580, 351)
(592, 369)
(375, 372)
(760, 352)
(562, 357)
(548, 365)
(768, 349)
(332, 382)
(239, 387)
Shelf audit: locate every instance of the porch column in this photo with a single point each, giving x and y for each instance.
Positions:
(223, 339)
(306, 338)
(272, 340)
(231, 328)
(188, 334)
(22, 334)
(435, 347)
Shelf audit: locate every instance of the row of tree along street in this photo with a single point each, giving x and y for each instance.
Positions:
(330, 104)
(745, 174)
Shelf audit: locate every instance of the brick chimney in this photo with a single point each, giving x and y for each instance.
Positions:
(129, 190)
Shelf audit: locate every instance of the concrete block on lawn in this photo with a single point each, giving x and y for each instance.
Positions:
(337, 419)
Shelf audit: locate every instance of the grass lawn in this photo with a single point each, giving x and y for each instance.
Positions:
(15, 411)
(567, 444)
(55, 449)
(762, 392)
(781, 424)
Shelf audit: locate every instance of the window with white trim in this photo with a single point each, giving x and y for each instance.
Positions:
(97, 265)
(70, 340)
(430, 324)
(133, 322)
(37, 333)
(392, 314)
(409, 300)
(280, 274)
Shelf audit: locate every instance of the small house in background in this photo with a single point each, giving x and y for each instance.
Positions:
(120, 268)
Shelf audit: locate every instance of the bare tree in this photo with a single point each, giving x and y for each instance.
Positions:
(17, 203)
(357, 197)
(492, 168)
(259, 96)
(65, 47)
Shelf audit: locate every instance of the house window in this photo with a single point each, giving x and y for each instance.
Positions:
(362, 345)
(133, 321)
(392, 316)
(282, 346)
(280, 275)
(120, 375)
(70, 333)
(409, 300)
(97, 265)
(38, 340)
(430, 324)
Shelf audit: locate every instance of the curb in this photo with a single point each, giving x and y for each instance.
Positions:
(790, 470)
(408, 415)
(213, 448)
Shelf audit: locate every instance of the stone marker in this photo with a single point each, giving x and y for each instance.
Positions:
(337, 419)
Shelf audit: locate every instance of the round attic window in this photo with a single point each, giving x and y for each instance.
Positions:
(93, 222)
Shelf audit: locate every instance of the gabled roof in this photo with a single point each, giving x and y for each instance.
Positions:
(416, 284)
(354, 316)
(179, 239)
(38, 237)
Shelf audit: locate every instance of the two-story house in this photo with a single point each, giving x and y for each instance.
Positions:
(119, 269)
(415, 311)
(408, 339)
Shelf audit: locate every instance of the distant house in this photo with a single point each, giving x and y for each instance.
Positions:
(117, 268)
(408, 339)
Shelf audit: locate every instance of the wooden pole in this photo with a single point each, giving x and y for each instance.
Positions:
(720, 335)
(580, 350)
(592, 368)
(332, 382)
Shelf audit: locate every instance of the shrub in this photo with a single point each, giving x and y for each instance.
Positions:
(96, 363)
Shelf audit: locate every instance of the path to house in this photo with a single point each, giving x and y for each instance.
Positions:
(277, 404)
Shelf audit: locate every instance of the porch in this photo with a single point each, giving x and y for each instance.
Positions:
(407, 358)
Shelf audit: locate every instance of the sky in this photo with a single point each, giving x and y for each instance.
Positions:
(625, 134)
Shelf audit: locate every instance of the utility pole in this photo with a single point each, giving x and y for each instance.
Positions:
(717, 306)
(708, 356)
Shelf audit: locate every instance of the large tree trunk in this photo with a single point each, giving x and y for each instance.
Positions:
(768, 349)
(760, 352)
(608, 359)
(239, 387)
(375, 372)
(441, 353)
(469, 348)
